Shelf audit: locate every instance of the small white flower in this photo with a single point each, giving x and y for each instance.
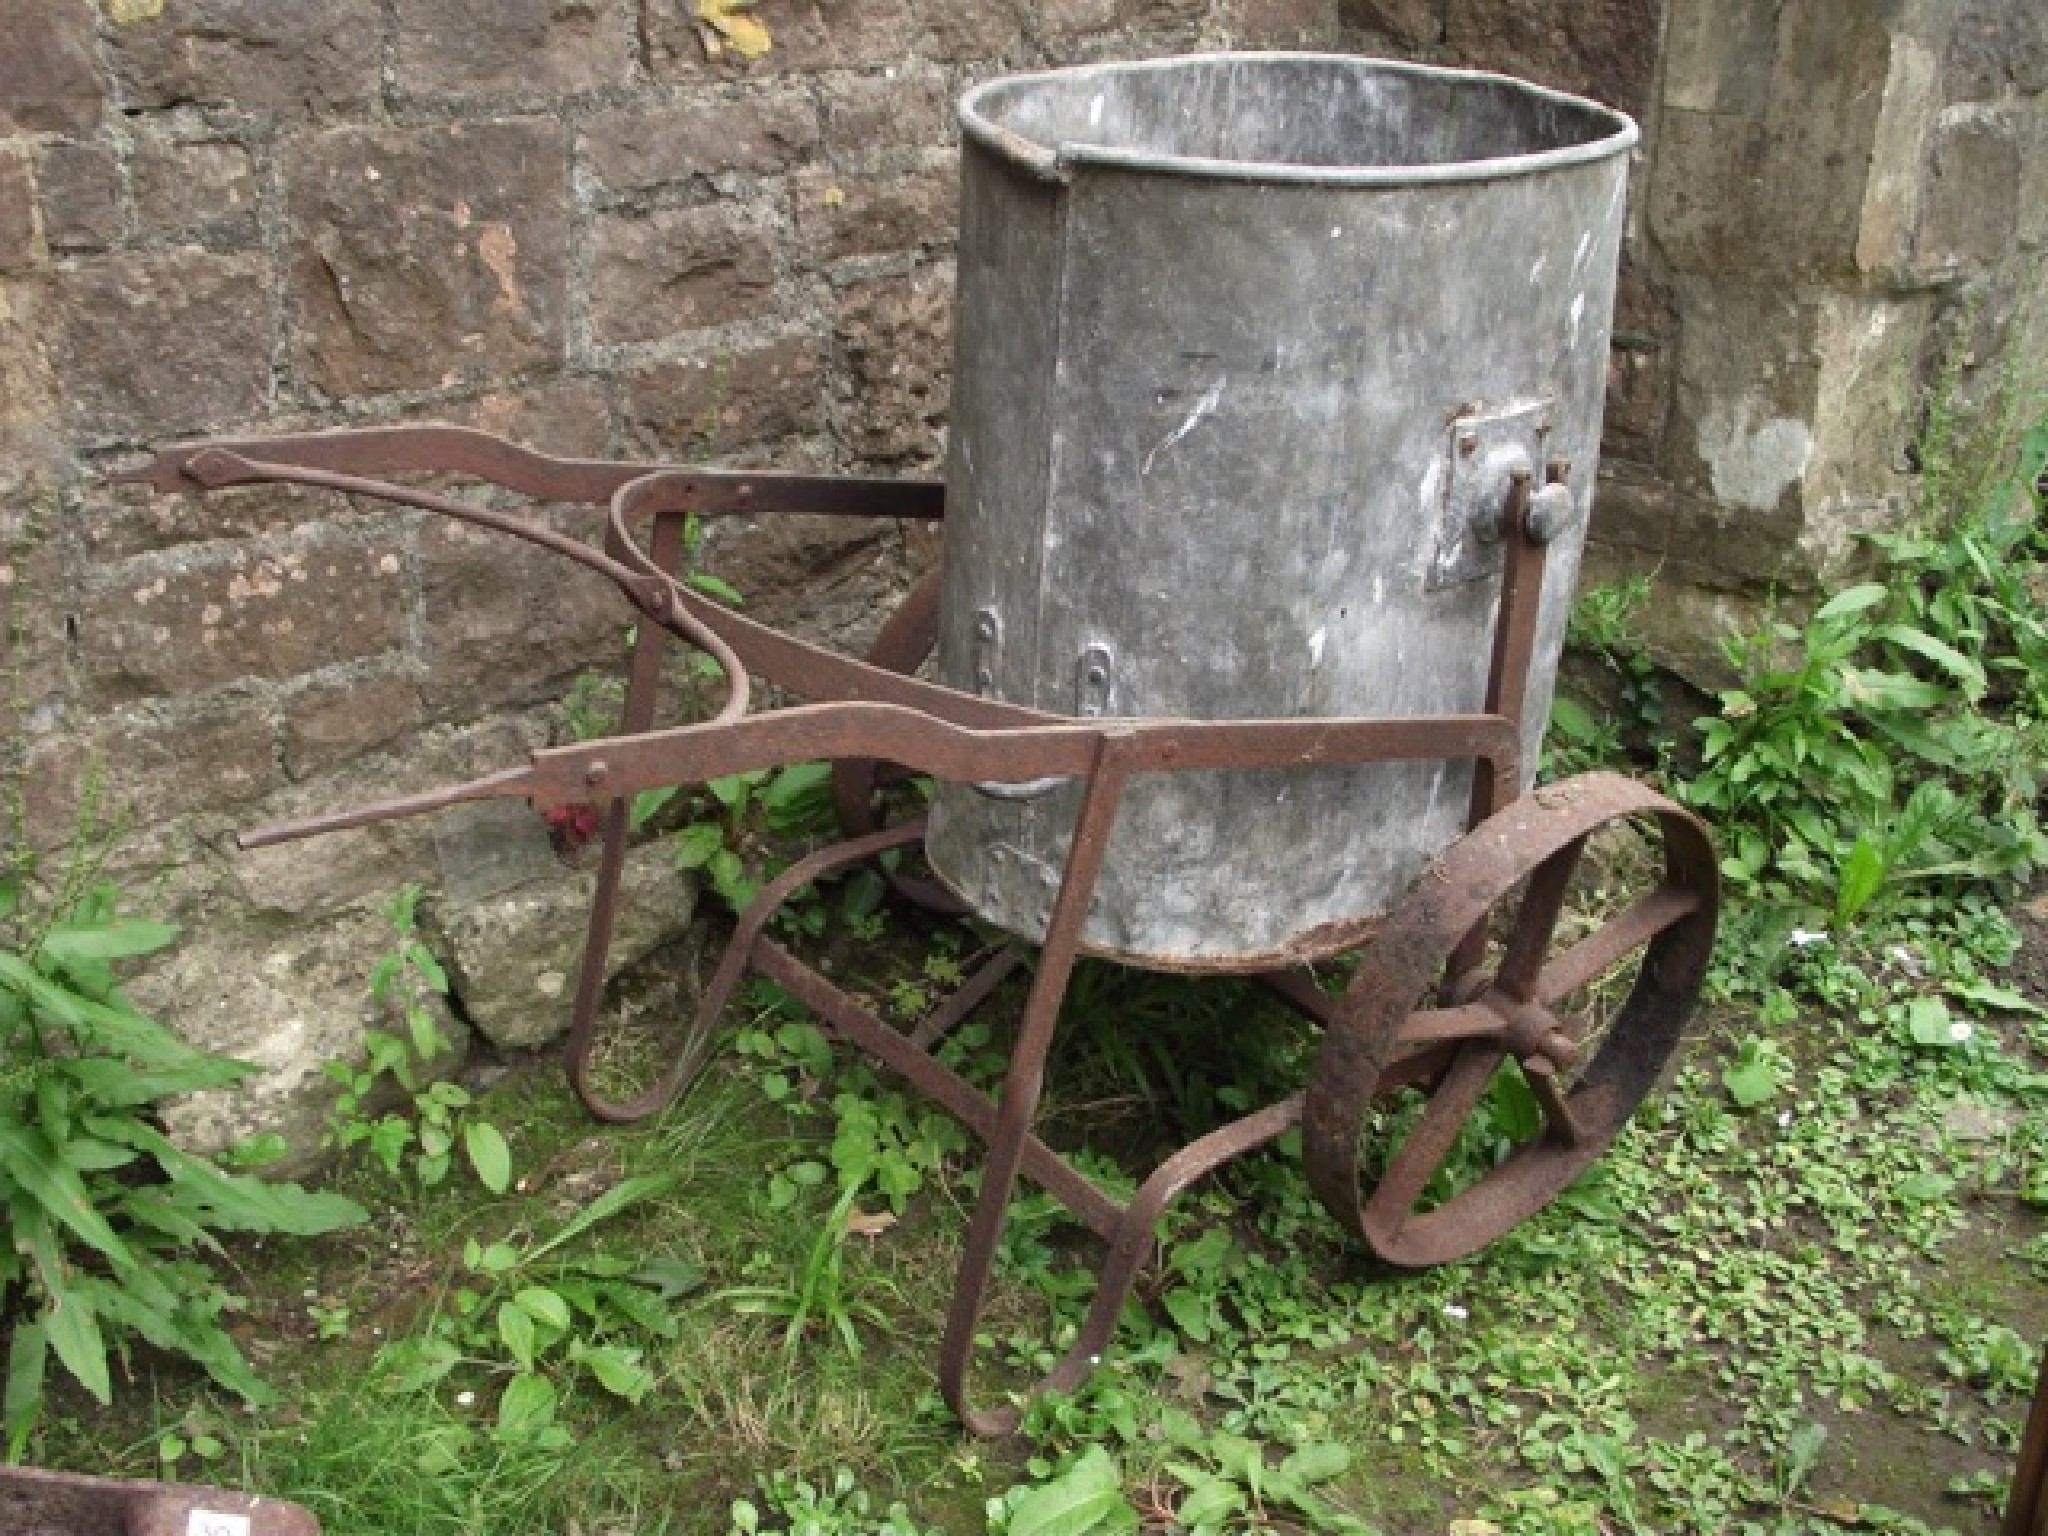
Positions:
(1454, 1311)
(1961, 1030)
(464, 1399)
(1784, 1117)
(1805, 938)
(1094, 1360)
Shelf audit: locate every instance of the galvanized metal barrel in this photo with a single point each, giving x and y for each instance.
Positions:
(1247, 346)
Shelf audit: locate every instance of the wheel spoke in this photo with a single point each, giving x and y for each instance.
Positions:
(1443, 1117)
(1536, 921)
(1541, 1075)
(1600, 951)
(1435, 1027)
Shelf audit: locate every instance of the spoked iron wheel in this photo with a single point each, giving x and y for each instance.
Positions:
(1490, 910)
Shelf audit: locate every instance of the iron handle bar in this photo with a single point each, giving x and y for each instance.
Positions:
(599, 772)
(464, 450)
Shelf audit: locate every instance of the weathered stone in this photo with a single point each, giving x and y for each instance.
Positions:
(1701, 205)
(430, 255)
(829, 578)
(81, 191)
(502, 621)
(1898, 161)
(204, 191)
(1160, 13)
(277, 614)
(332, 724)
(717, 407)
(255, 55)
(1742, 426)
(968, 29)
(34, 677)
(286, 1005)
(1058, 20)
(521, 48)
(513, 959)
(867, 114)
(808, 36)
(759, 132)
(1639, 368)
(897, 339)
(117, 522)
(1969, 209)
(1995, 48)
(678, 269)
(164, 342)
(562, 415)
(49, 72)
(1606, 49)
(304, 881)
(1718, 55)
(152, 770)
(842, 216)
(1284, 23)
(19, 248)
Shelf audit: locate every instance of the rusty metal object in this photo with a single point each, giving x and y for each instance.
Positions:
(1533, 847)
(35, 1502)
(1379, 1036)
(2026, 1507)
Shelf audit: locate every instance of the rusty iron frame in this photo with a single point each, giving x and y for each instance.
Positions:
(1383, 1033)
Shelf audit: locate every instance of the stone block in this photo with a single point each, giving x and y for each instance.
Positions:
(1996, 48)
(464, 49)
(277, 613)
(49, 67)
(808, 37)
(830, 579)
(757, 132)
(1718, 55)
(1283, 23)
(504, 622)
(896, 335)
(722, 406)
(164, 342)
(1969, 207)
(868, 114)
(839, 216)
(1161, 13)
(565, 416)
(287, 1004)
(34, 677)
(204, 191)
(121, 521)
(20, 250)
(1606, 49)
(513, 959)
(968, 29)
(152, 770)
(678, 269)
(81, 192)
(256, 56)
(1748, 379)
(1702, 197)
(302, 881)
(1063, 20)
(327, 725)
(427, 256)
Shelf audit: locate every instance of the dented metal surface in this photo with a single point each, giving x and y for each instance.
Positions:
(1248, 349)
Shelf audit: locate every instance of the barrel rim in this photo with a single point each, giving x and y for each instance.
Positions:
(1058, 162)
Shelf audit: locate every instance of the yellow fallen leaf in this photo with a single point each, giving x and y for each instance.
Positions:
(1473, 1528)
(869, 1223)
(128, 13)
(733, 28)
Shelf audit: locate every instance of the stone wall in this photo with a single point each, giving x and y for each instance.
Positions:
(1833, 201)
(586, 224)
